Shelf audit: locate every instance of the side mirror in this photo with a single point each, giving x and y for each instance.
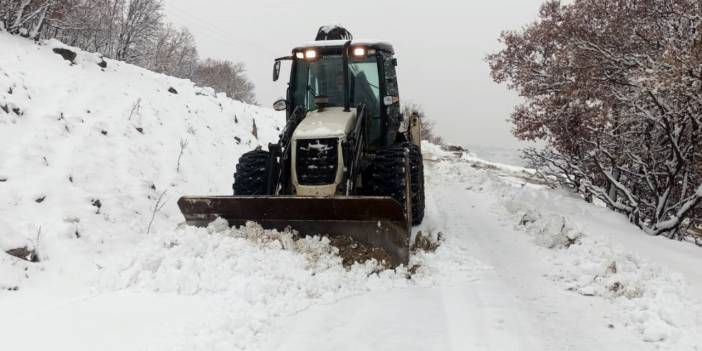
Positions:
(394, 62)
(276, 70)
(280, 105)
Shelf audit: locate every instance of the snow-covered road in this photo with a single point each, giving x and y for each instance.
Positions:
(505, 303)
(508, 275)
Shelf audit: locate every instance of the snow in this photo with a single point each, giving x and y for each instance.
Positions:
(591, 251)
(518, 266)
(333, 122)
(500, 154)
(87, 151)
(318, 146)
(434, 152)
(10, 238)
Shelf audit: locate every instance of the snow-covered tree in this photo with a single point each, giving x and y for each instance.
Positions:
(134, 31)
(172, 52)
(613, 87)
(24, 17)
(92, 25)
(137, 29)
(227, 77)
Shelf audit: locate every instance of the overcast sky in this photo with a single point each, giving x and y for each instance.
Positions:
(440, 46)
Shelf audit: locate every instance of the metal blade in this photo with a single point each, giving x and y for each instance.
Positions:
(376, 221)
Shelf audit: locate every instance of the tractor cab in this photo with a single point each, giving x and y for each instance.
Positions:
(345, 74)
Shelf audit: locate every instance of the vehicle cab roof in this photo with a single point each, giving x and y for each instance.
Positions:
(376, 44)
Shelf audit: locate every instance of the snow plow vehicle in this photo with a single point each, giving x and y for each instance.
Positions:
(342, 165)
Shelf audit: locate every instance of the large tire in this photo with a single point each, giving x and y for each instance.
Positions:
(417, 176)
(387, 174)
(251, 176)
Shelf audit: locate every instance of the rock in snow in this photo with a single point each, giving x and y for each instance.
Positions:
(67, 55)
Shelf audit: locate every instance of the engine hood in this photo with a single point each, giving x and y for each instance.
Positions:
(333, 122)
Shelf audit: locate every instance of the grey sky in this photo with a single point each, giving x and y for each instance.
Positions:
(440, 45)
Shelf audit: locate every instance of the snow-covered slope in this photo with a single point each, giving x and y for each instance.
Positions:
(86, 151)
(518, 266)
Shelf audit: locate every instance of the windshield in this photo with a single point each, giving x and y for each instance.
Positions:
(324, 77)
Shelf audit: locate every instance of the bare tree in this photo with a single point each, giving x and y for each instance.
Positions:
(24, 17)
(172, 52)
(133, 31)
(428, 125)
(137, 28)
(227, 77)
(183, 145)
(160, 202)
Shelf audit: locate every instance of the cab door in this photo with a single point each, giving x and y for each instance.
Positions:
(390, 109)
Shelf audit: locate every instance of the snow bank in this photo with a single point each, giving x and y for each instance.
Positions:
(86, 150)
(434, 152)
(593, 257)
(592, 251)
(653, 300)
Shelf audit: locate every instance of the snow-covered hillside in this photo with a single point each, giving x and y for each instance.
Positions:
(86, 152)
(518, 266)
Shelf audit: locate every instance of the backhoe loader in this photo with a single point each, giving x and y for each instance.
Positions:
(341, 166)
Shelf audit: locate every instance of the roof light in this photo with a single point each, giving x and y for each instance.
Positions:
(359, 51)
(300, 55)
(310, 54)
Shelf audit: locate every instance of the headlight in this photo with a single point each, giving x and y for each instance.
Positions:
(359, 51)
(310, 54)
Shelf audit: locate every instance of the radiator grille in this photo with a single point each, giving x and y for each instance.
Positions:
(317, 161)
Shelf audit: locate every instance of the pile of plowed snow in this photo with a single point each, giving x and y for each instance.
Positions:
(88, 147)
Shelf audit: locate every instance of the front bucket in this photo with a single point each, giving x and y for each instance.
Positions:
(376, 221)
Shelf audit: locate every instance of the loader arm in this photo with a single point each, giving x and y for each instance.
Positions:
(278, 177)
(353, 150)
